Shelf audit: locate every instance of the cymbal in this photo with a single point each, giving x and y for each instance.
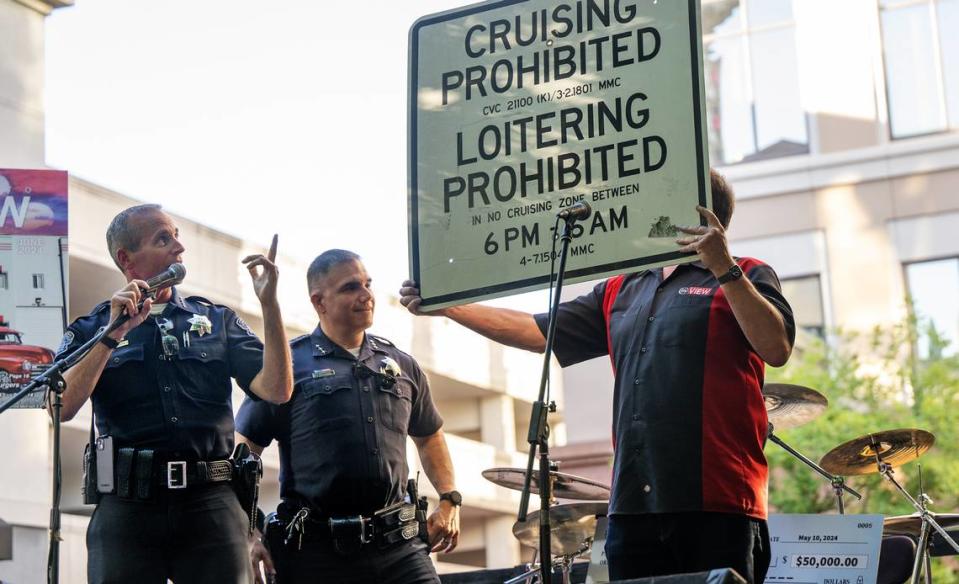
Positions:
(565, 486)
(911, 524)
(570, 525)
(895, 448)
(789, 405)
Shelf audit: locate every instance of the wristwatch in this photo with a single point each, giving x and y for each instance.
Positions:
(106, 340)
(734, 273)
(453, 497)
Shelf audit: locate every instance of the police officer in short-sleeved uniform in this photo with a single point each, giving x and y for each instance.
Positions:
(342, 442)
(162, 391)
(178, 401)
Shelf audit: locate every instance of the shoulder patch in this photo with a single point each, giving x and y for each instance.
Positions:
(66, 341)
(242, 324)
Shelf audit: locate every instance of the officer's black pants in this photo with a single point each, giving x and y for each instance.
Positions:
(638, 546)
(406, 563)
(195, 535)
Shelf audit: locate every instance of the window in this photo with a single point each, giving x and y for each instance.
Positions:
(805, 297)
(753, 109)
(921, 57)
(4, 283)
(934, 290)
(38, 281)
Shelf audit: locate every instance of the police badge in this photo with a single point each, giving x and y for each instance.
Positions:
(390, 367)
(200, 324)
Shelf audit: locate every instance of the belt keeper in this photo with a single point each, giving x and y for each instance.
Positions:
(144, 473)
(202, 472)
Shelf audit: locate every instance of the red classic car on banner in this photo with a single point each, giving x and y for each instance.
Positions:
(19, 362)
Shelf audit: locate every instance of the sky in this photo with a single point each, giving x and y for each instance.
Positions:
(250, 117)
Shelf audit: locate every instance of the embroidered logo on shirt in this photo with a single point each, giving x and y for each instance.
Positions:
(696, 291)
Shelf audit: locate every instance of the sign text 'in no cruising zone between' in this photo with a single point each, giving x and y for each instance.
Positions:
(520, 108)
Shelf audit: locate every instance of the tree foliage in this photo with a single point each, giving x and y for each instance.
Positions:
(874, 381)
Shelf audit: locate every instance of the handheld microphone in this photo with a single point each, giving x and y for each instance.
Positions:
(171, 276)
(576, 212)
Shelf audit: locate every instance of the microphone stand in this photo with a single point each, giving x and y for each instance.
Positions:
(538, 436)
(52, 378)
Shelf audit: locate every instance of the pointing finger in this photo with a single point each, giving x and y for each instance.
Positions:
(272, 253)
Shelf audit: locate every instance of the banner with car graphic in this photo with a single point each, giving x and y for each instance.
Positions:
(33, 268)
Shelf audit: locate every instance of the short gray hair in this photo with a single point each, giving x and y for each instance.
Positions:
(325, 262)
(121, 233)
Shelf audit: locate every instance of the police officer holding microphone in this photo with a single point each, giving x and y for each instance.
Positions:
(161, 391)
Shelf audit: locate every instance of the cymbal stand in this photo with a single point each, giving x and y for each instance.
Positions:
(925, 516)
(564, 563)
(838, 483)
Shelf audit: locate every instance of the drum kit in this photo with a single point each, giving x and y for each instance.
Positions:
(573, 525)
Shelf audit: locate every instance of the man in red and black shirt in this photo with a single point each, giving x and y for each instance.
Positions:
(688, 345)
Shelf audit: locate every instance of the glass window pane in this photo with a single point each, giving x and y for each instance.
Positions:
(911, 78)
(729, 111)
(763, 12)
(721, 17)
(780, 119)
(934, 289)
(805, 298)
(949, 46)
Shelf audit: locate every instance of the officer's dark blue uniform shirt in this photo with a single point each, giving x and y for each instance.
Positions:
(342, 436)
(179, 405)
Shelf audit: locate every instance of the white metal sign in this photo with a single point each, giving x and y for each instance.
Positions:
(520, 108)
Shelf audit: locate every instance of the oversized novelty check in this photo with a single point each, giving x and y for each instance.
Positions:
(824, 549)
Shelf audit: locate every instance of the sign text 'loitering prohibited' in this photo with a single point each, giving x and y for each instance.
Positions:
(519, 109)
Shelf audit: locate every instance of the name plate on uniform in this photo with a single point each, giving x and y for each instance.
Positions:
(824, 549)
